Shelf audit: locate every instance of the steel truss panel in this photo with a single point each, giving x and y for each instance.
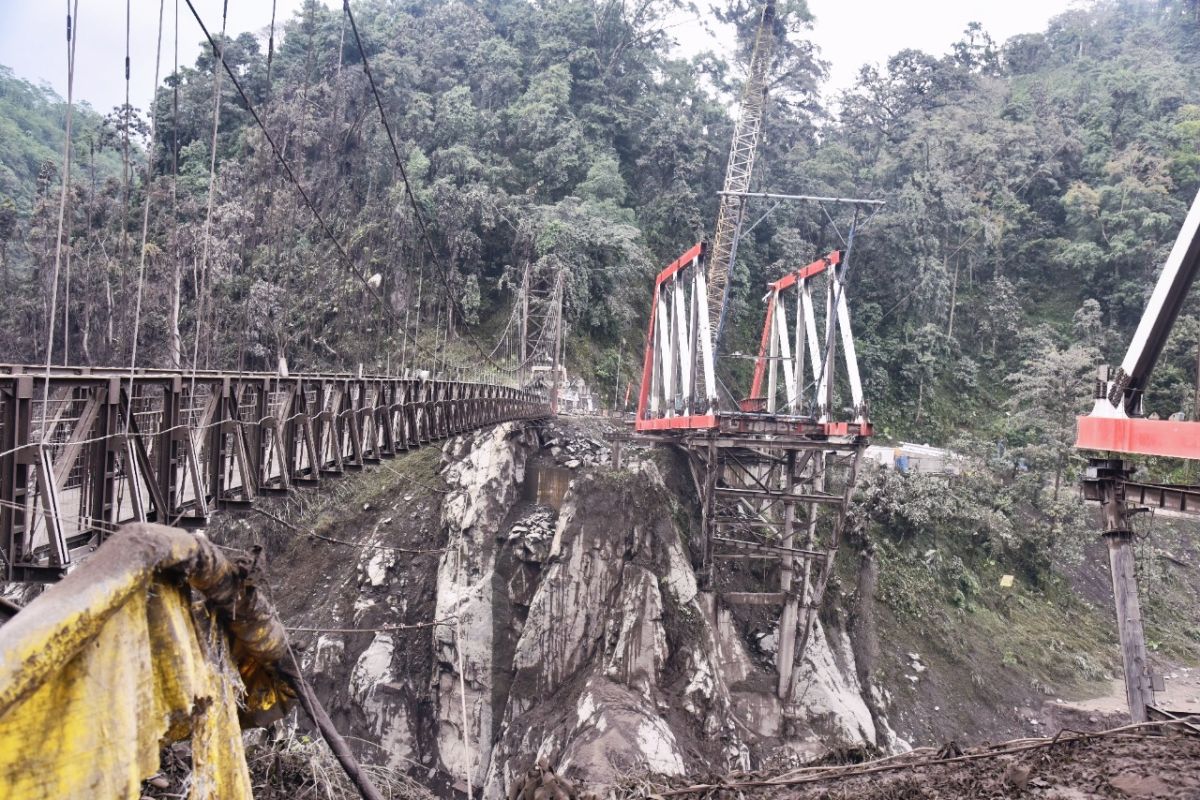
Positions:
(782, 348)
(90, 449)
(678, 388)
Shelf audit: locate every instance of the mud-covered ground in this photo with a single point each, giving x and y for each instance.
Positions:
(1115, 765)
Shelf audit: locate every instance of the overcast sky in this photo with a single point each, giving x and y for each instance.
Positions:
(850, 32)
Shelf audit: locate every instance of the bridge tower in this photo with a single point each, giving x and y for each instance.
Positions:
(540, 308)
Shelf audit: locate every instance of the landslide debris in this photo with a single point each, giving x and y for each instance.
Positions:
(1120, 764)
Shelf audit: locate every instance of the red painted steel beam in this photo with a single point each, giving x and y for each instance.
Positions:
(648, 363)
(815, 268)
(761, 363)
(693, 422)
(680, 263)
(1148, 437)
(805, 272)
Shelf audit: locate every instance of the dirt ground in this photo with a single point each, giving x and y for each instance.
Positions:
(1117, 765)
(1181, 695)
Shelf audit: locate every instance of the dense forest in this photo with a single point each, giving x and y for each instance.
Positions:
(1033, 188)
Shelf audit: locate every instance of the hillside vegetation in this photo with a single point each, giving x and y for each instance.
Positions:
(1033, 187)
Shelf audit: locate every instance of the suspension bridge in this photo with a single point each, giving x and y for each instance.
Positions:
(84, 450)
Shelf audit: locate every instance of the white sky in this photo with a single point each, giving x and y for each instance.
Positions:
(854, 33)
(850, 33)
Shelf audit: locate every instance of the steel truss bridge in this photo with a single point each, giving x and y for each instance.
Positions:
(774, 471)
(85, 450)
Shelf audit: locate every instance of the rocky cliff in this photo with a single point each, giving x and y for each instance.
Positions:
(569, 629)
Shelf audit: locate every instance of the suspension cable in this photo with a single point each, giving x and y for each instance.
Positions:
(66, 352)
(200, 278)
(308, 202)
(126, 119)
(412, 200)
(72, 18)
(141, 276)
(176, 344)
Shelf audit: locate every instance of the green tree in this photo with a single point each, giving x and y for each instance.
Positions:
(1046, 394)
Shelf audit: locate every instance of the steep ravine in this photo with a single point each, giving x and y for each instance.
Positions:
(580, 633)
(576, 637)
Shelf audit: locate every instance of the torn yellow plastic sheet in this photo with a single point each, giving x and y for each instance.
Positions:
(106, 667)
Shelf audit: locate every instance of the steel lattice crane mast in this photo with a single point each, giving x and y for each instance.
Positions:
(747, 133)
(773, 480)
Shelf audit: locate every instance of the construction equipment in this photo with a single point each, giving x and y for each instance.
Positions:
(1117, 425)
(774, 479)
(747, 134)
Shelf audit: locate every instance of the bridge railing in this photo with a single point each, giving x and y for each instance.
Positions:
(93, 448)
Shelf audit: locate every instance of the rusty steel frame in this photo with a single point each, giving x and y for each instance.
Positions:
(108, 447)
(781, 501)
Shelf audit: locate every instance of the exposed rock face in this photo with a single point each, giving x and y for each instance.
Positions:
(828, 696)
(577, 638)
(485, 472)
(595, 651)
(591, 662)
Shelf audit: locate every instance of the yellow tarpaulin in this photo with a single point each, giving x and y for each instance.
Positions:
(105, 668)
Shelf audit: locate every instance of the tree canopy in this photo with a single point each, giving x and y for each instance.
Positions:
(1032, 190)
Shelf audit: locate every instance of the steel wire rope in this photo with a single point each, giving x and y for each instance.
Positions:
(200, 278)
(67, 284)
(836, 295)
(141, 277)
(175, 343)
(841, 287)
(308, 202)
(72, 34)
(500, 341)
(412, 200)
(126, 120)
(219, 54)
(345, 542)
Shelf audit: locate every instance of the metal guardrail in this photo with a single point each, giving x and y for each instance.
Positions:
(94, 448)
